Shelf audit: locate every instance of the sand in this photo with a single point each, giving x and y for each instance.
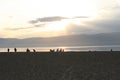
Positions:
(102, 65)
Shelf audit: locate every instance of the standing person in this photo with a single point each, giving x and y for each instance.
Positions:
(8, 50)
(111, 50)
(57, 50)
(15, 50)
(27, 50)
(34, 50)
(63, 50)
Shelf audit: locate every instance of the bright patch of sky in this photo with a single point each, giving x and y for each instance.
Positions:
(47, 18)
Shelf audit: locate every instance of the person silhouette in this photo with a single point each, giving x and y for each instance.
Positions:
(57, 50)
(27, 50)
(8, 50)
(111, 50)
(15, 50)
(34, 50)
(62, 50)
(50, 50)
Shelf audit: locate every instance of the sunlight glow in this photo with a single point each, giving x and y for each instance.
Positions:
(57, 26)
(17, 14)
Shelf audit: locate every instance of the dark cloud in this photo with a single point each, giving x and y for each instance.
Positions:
(98, 26)
(40, 25)
(80, 29)
(50, 19)
(53, 18)
(47, 19)
(108, 25)
(33, 21)
(110, 22)
(17, 28)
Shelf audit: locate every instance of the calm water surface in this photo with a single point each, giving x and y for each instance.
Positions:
(68, 48)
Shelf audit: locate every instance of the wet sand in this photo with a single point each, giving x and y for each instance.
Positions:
(102, 65)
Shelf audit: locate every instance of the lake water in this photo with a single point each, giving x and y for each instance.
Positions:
(68, 48)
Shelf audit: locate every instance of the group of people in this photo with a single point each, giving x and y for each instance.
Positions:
(28, 50)
(57, 50)
(15, 50)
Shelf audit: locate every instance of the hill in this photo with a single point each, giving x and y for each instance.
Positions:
(68, 40)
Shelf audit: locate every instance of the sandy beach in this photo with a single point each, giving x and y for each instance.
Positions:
(101, 65)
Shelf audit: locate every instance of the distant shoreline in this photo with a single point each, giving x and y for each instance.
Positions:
(66, 48)
(39, 52)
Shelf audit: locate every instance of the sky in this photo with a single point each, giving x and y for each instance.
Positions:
(49, 18)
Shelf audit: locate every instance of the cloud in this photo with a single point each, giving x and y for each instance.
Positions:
(108, 21)
(53, 18)
(17, 28)
(33, 21)
(96, 26)
(80, 29)
(112, 25)
(23, 28)
(47, 19)
(80, 17)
